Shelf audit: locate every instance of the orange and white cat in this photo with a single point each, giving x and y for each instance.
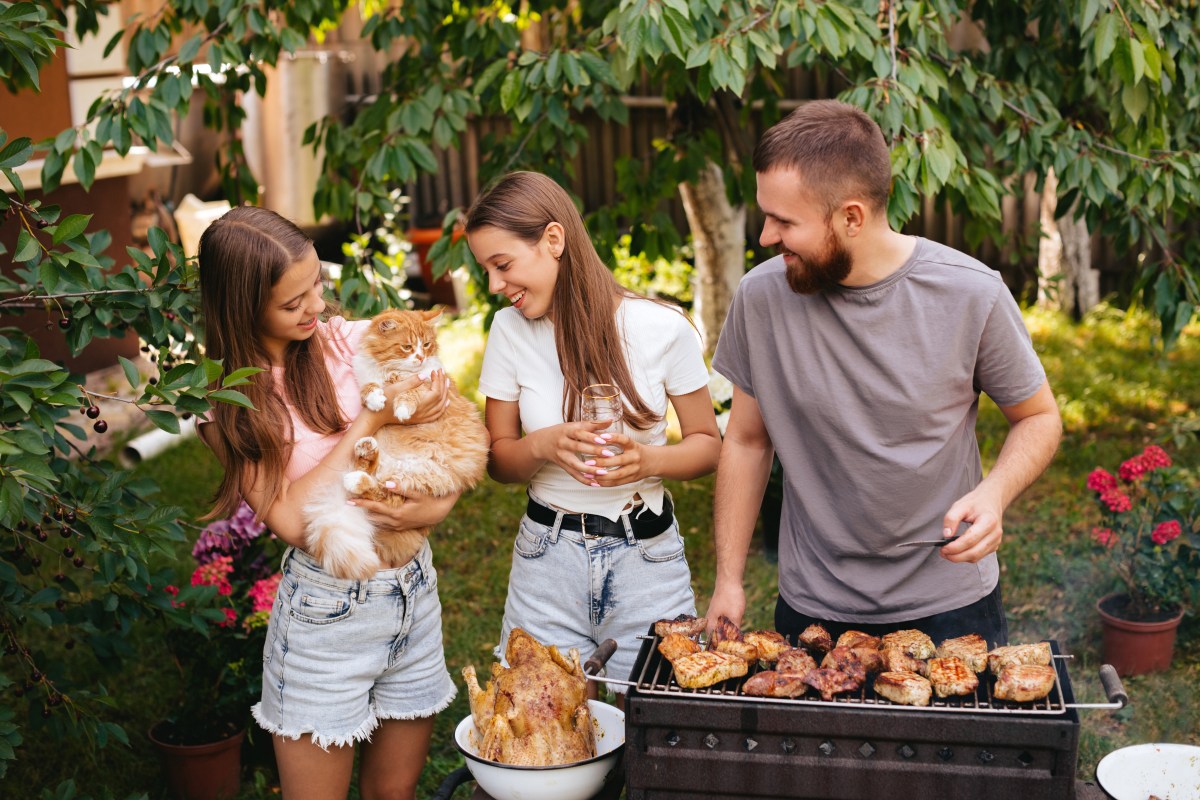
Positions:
(445, 456)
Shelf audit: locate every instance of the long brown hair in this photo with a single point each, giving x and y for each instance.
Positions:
(589, 345)
(242, 256)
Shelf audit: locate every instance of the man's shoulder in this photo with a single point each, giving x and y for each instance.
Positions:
(958, 264)
(765, 277)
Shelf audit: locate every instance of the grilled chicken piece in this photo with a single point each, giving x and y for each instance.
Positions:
(816, 639)
(676, 645)
(1010, 655)
(832, 681)
(769, 644)
(951, 677)
(972, 649)
(770, 683)
(872, 659)
(1022, 683)
(858, 639)
(684, 624)
(896, 660)
(707, 668)
(846, 660)
(905, 688)
(796, 662)
(726, 630)
(913, 642)
(743, 650)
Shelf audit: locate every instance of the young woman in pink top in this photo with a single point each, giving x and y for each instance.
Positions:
(345, 661)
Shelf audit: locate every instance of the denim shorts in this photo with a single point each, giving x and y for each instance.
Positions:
(341, 655)
(572, 590)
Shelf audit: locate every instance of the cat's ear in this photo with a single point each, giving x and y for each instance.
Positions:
(433, 314)
(386, 324)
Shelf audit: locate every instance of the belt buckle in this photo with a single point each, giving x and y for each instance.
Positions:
(584, 530)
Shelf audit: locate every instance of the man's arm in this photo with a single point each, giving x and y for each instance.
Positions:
(742, 473)
(1036, 428)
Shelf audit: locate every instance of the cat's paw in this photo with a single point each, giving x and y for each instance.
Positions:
(375, 399)
(358, 483)
(366, 447)
(403, 409)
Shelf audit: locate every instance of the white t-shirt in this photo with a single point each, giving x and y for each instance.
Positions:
(521, 365)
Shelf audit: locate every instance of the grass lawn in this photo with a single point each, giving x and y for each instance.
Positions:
(1117, 394)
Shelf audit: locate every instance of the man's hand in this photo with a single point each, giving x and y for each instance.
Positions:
(985, 513)
(728, 600)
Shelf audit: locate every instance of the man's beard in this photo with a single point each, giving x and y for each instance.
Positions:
(821, 273)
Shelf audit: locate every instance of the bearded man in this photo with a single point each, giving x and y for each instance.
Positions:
(858, 355)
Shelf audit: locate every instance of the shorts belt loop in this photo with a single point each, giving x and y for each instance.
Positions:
(554, 529)
(360, 591)
(627, 521)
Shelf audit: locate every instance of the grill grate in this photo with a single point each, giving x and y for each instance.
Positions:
(657, 678)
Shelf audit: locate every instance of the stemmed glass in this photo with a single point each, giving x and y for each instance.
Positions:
(602, 402)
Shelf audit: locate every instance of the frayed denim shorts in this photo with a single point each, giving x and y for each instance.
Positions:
(341, 655)
(571, 590)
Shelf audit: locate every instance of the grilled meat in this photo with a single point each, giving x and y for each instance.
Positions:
(951, 677)
(913, 642)
(726, 630)
(847, 661)
(684, 624)
(1002, 657)
(1022, 683)
(872, 659)
(706, 668)
(770, 683)
(832, 681)
(676, 645)
(858, 639)
(972, 649)
(796, 662)
(905, 688)
(816, 639)
(896, 660)
(769, 644)
(743, 650)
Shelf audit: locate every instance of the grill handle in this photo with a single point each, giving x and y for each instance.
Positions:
(596, 661)
(1113, 688)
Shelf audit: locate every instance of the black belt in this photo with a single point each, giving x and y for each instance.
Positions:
(645, 526)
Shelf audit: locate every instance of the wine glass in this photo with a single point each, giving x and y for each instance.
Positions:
(602, 402)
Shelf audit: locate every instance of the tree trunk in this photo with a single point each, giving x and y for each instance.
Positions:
(719, 239)
(1066, 280)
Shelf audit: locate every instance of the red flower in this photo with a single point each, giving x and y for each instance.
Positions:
(1132, 469)
(1166, 531)
(1101, 480)
(1104, 536)
(1155, 457)
(230, 618)
(1116, 500)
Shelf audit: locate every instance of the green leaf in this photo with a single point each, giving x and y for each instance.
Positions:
(510, 90)
(17, 152)
(27, 247)
(240, 376)
(1138, 58)
(230, 396)
(1106, 37)
(71, 227)
(131, 372)
(164, 420)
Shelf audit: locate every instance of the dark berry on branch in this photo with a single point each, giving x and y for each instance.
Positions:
(68, 551)
(153, 381)
(65, 532)
(35, 676)
(37, 562)
(60, 604)
(64, 323)
(70, 516)
(60, 577)
(101, 426)
(93, 412)
(78, 561)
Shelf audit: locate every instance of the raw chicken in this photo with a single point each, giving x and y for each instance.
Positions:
(534, 713)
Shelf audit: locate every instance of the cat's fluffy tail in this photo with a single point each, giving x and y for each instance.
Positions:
(340, 536)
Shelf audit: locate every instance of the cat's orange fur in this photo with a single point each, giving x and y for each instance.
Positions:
(438, 458)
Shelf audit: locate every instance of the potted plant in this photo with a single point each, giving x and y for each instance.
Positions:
(217, 649)
(1150, 537)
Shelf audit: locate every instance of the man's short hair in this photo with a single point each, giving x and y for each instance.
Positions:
(836, 147)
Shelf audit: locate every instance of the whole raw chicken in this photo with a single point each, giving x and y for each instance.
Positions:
(535, 712)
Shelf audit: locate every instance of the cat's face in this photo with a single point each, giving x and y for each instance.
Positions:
(402, 339)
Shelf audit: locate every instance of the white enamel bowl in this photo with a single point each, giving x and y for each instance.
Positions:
(578, 781)
(1163, 770)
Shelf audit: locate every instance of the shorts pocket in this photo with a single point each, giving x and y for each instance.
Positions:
(532, 539)
(317, 605)
(667, 546)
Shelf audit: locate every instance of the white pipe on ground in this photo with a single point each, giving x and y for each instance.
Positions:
(156, 441)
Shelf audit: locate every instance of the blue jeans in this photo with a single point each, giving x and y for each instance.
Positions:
(574, 591)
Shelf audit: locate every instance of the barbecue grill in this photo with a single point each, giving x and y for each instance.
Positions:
(718, 742)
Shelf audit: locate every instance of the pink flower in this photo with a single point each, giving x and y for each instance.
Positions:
(1101, 480)
(1132, 469)
(262, 593)
(1116, 500)
(1104, 536)
(1154, 457)
(230, 618)
(1166, 531)
(215, 573)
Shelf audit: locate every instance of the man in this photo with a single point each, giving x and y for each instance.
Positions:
(858, 355)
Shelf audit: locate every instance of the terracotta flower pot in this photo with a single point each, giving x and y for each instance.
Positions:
(202, 771)
(1136, 647)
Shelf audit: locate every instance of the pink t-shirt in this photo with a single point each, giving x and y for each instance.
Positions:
(310, 447)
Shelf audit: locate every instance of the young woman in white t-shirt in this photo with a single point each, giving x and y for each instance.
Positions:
(598, 554)
(345, 661)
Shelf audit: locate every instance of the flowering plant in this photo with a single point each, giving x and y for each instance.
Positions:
(234, 583)
(721, 392)
(1150, 533)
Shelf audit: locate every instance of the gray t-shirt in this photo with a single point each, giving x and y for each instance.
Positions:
(870, 396)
